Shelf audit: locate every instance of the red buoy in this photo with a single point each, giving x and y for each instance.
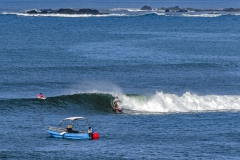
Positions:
(95, 135)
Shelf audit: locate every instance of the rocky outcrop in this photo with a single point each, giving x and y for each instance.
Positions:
(231, 9)
(88, 11)
(146, 8)
(32, 12)
(178, 9)
(65, 11)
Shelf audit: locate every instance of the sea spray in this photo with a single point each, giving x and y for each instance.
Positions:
(164, 102)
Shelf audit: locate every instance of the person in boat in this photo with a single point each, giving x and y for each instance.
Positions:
(70, 130)
(90, 132)
(115, 102)
(40, 95)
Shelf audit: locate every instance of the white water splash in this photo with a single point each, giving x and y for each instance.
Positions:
(202, 15)
(66, 15)
(188, 102)
(159, 13)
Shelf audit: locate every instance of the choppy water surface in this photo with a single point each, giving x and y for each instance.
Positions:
(177, 75)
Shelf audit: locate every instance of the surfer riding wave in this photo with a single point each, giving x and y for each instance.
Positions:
(116, 106)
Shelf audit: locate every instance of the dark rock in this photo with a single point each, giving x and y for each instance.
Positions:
(146, 8)
(88, 11)
(167, 10)
(45, 11)
(32, 12)
(176, 8)
(182, 10)
(231, 9)
(66, 11)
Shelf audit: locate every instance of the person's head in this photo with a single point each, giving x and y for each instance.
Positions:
(69, 126)
(40, 93)
(89, 127)
(116, 97)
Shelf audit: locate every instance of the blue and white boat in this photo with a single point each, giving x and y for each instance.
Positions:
(72, 128)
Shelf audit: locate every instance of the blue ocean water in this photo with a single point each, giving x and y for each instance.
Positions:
(177, 75)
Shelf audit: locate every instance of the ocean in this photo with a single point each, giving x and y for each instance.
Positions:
(177, 75)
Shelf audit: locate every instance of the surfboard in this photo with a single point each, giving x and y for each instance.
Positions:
(114, 110)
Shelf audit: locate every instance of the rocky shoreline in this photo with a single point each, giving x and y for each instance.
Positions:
(66, 11)
(178, 9)
(144, 8)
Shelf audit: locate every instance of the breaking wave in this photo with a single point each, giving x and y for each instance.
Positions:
(157, 103)
(168, 103)
(125, 12)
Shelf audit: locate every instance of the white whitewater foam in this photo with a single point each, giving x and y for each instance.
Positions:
(161, 102)
(61, 15)
(69, 15)
(202, 15)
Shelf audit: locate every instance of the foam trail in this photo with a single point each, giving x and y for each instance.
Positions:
(65, 15)
(188, 102)
(202, 15)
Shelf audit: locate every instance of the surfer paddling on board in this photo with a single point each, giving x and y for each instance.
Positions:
(116, 107)
(41, 96)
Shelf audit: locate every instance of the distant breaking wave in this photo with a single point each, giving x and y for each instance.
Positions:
(123, 15)
(124, 12)
(157, 103)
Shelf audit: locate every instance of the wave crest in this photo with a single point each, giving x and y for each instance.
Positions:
(169, 103)
(157, 103)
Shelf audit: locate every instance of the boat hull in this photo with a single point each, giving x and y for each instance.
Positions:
(61, 133)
